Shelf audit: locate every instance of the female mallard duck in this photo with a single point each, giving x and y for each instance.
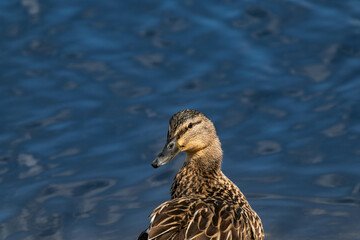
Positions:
(204, 203)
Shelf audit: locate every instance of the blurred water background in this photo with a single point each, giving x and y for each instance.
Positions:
(87, 89)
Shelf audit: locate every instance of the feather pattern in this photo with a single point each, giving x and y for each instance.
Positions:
(205, 204)
(197, 217)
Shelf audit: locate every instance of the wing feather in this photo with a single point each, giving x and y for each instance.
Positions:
(198, 218)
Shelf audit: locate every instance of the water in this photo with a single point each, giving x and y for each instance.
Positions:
(87, 88)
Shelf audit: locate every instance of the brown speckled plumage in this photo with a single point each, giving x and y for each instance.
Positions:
(204, 203)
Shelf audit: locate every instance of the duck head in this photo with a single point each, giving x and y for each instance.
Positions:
(189, 131)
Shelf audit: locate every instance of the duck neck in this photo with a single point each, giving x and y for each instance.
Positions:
(200, 169)
(207, 159)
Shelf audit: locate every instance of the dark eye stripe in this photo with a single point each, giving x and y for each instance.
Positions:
(186, 128)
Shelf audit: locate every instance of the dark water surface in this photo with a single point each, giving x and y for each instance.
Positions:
(87, 88)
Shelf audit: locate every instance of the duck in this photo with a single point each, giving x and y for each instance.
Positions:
(204, 204)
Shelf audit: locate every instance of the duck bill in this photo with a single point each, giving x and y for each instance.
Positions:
(170, 150)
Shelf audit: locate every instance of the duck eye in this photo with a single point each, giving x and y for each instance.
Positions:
(190, 125)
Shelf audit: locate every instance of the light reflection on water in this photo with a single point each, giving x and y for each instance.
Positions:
(87, 91)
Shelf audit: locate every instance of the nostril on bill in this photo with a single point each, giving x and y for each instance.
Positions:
(171, 145)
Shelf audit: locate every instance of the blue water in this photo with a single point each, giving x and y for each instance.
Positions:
(87, 89)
